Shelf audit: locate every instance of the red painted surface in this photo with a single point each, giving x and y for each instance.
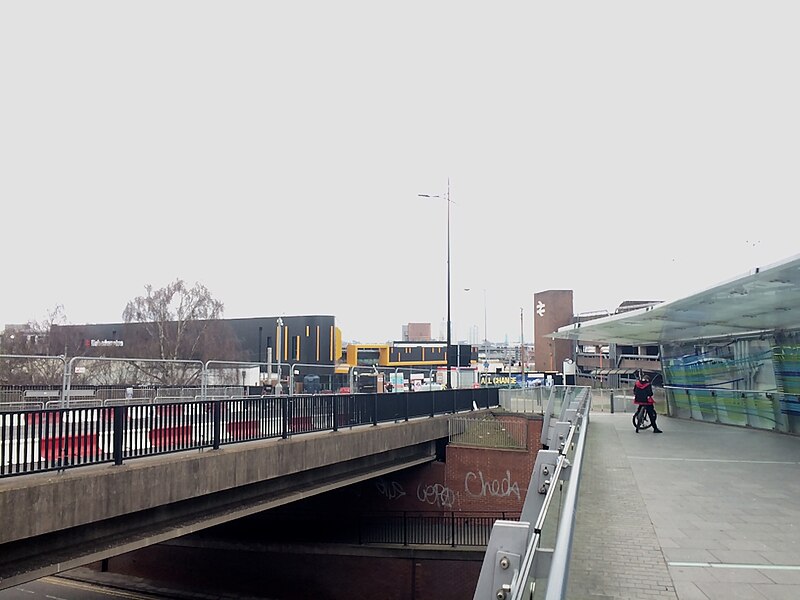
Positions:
(174, 437)
(300, 424)
(170, 410)
(244, 429)
(77, 446)
(47, 418)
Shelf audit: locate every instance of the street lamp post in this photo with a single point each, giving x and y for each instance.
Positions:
(447, 347)
(522, 352)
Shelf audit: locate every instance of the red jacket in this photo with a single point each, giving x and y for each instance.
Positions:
(643, 393)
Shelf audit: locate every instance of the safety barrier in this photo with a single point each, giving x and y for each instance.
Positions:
(56, 438)
(769, 410)
(68, 381)
(529, 558)
(385, 528)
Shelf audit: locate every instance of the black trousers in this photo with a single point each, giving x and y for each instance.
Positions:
(651, 412)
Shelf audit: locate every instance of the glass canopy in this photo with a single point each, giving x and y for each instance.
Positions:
(766, 300)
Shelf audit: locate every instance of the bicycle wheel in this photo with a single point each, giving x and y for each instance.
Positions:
(642, 417)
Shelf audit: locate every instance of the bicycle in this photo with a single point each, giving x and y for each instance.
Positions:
(641, 418)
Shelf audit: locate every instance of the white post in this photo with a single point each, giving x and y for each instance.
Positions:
(278, 386)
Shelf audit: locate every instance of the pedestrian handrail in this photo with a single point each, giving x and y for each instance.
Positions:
(88, 433)
(760, 409)
(529, 558)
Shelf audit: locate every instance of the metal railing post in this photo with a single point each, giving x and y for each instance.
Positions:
(285, 411)
(405, 528)
(291, 378)
(204, 381)
(452, 529)
(216, 411)
(336, 412)
(120, 418)
(68, 382)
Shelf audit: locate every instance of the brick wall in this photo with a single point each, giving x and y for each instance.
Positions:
(470, 479)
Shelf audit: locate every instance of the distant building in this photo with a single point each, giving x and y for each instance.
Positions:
(594, 363)
(417, 332)
(551, 309)
(307, 339)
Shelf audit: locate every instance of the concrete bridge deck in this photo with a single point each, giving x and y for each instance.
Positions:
(701, 512)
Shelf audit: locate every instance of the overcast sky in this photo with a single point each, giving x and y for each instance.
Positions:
(274, 152)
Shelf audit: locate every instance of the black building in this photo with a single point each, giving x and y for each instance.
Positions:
(309, 339)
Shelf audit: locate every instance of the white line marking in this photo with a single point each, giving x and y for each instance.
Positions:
(81, 585)
(736, 566)
(721, 460)
(54, 597)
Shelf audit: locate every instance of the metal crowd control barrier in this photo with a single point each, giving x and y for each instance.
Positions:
(529, 558)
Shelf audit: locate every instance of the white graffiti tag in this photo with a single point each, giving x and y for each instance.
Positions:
(390, 489)
(476, 485)
(437, 494)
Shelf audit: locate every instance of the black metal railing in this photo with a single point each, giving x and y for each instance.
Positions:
(390, 528)
(40, 440)
(429, 528)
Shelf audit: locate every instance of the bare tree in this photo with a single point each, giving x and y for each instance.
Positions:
(177, 323)
(32, 339)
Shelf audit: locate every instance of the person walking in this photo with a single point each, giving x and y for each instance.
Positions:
(643, 395)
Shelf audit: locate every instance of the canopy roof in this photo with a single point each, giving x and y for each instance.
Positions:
(764, 300)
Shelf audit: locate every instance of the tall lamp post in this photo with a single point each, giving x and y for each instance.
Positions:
(522, 352)
(447, 351)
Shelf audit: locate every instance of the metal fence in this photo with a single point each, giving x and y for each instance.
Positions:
(491, 432)
(421, 528)
(22, 398)
(110, 381)
(386, 528)
(56, 438)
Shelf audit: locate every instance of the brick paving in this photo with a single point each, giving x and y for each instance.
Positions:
(700, 512)
(615, 551)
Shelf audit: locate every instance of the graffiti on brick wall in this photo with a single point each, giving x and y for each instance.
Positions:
(436, 494)
(389, 489)
(477, 486)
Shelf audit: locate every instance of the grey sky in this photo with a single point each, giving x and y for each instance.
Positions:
(274, 152)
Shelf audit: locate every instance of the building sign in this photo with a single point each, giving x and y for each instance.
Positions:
(104, 343)
(497, 379)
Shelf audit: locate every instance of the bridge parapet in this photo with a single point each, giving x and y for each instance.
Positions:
(535, 551)
(70, 516)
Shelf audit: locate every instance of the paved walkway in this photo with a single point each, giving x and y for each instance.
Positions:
(700, 512)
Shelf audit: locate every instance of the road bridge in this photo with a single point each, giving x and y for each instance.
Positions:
(118, 496)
